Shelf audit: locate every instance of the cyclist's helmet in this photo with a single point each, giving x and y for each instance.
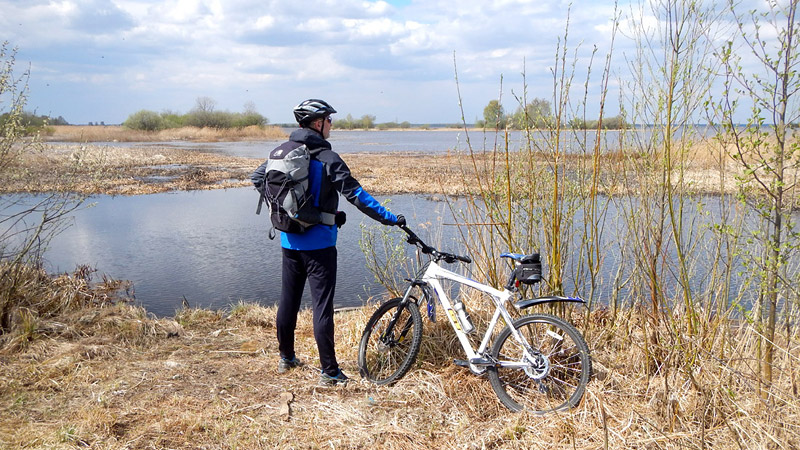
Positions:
(312, 109)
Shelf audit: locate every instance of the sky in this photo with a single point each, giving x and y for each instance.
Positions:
(102, 60)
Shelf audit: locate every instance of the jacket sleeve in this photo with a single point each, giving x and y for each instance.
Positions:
(351, 189)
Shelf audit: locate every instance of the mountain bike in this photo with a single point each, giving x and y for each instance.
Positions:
(537, 362)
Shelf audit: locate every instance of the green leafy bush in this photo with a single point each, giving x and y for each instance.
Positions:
(145, 120)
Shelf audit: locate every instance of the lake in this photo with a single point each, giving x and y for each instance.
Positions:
(376, 141)
(211, 250)
(208, 247)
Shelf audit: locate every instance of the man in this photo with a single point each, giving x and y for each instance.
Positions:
(311, 255)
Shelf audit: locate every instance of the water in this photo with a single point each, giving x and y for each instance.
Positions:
(208, 247)
(433, 141)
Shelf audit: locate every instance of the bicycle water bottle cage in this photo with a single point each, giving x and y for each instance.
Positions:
(529, 267)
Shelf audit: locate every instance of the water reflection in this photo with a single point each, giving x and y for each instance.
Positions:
(206, 246)
(210, 248)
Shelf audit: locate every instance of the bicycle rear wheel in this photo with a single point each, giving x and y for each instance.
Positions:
(389, 347)
(554, 381)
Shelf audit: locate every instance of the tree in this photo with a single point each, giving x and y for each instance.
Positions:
(536, 114)
(764, 150)
(205, 104)
(494, 115)
(144, 120)
(368, 121)
(670, 83)
(27, 223)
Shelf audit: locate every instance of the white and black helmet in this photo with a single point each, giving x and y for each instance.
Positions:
(311, 110)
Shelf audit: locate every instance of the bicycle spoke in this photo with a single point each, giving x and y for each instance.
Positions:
(390, 344)
(552, 378)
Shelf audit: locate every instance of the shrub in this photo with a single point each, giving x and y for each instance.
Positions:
(144, 120)
(172, 120)
(248, 119)
(210, 119)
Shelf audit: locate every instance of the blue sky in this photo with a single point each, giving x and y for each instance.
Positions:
(101, 60)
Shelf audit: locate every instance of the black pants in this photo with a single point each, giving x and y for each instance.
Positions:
(319, 268)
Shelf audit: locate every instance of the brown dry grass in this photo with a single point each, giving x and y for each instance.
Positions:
(110, 376)
(113, 133)
(102, 169)
(141, 169)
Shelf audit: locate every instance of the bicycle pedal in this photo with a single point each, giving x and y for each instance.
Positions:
(461, 363)
(481, 362)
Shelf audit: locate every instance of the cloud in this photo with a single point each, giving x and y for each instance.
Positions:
(394, 59)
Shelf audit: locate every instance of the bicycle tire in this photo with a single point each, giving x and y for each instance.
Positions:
(558, 386)
(385, 358)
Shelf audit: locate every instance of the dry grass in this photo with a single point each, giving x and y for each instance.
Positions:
(83, 133)
(109, 376)
(103, 169)
(106, 169)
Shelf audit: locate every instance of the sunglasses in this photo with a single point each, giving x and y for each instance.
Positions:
(329, 119)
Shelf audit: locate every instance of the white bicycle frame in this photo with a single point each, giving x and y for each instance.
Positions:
(476, 357)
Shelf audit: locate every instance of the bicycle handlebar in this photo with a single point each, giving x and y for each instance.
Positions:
(413, 239)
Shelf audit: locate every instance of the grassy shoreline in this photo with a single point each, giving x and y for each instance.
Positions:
(107, 375)
(148, 169)
(116, 133)
(79, 369)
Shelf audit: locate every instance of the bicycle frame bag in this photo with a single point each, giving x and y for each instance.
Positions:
(282, 181)
(529, 269)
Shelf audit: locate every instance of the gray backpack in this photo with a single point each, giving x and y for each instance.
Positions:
(282, 181)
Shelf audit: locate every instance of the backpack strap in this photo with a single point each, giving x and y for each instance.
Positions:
(261, 200)
(327, 218)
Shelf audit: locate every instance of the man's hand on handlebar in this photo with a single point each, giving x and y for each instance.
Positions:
(401, 220)
(413, 239)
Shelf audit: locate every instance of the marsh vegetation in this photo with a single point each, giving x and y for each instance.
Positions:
(694, 335)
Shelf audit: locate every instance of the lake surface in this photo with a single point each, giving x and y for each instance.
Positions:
(376, 141)
(208, 247)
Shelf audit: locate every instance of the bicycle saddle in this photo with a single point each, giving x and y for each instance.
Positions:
(533, 257)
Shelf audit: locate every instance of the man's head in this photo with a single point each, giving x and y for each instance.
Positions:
(315, 114)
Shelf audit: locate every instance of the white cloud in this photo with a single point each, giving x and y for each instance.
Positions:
(160, 54)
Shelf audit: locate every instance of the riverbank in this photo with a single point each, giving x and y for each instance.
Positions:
(117, 133)
(105, 375)
(132, 170)
(147, 169)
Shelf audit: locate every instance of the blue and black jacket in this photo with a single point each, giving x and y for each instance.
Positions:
(328, 177)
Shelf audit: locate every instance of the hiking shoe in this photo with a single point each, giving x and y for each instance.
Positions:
(328, 380)
(286, 364)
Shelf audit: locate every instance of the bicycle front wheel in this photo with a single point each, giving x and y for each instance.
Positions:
(390, 343)
(553, 378)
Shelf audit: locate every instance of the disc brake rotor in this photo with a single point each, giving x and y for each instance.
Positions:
(537, 367)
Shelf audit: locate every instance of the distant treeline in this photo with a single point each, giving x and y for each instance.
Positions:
(30, 123)
(538, 114)
(202, 115)
(367, 122)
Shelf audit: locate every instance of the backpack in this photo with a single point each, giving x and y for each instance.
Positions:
(282, 183)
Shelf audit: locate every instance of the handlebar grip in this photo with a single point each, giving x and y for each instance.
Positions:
(465, 259)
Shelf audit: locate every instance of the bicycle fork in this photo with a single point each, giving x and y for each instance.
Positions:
(386, 337)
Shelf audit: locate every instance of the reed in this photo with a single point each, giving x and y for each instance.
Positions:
(107, 375)
(681, 312)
